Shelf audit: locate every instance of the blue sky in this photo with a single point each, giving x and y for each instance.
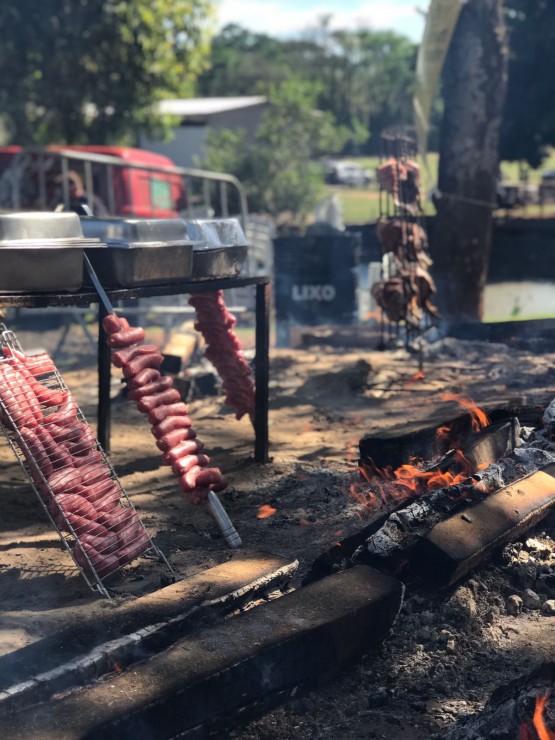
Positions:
(290, 17)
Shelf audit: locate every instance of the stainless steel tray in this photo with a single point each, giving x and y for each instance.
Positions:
(130, 266)
(212, 233)
(41, 269)
(135, 230)
(39, 225)
(218, 262)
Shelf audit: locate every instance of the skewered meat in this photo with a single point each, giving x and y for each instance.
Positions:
(168, 416)
(403, 239)
(151, 389)
(173, 409)
(389, 174)
(126, 337)
(170, 395)
(173, 438)
(170, 424)
(129, 353)
(131, 369)
(392, 298)
(66, 465)
(224, 350)
(148, 375)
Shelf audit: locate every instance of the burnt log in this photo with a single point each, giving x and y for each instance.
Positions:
(241, 666)
(454, 546)
(404, 531)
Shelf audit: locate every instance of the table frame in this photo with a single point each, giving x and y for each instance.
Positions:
(86, 297)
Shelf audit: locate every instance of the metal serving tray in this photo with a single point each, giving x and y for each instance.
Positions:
(133, 265)
(212, 233)
(135, 230)
(41, 269)
(39, 225)
(218, 262)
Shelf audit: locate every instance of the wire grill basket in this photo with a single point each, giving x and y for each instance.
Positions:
(72, 477)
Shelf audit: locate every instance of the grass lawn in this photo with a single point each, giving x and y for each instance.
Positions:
(361, 205)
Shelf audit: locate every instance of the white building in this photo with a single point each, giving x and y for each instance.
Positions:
(198, 115)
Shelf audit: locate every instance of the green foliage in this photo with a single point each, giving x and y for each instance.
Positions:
(277, 168)
(364, 78)
(78, 71)
(529, 116)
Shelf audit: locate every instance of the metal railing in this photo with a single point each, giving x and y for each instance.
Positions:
(42, 161)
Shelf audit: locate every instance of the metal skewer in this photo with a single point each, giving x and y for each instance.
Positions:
(98, 286)
(229, 533)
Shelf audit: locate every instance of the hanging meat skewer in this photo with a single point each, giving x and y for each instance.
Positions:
(224, 351)
(161, 402)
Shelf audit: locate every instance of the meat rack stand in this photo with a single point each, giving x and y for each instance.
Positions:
(86, 297)
(93, 575)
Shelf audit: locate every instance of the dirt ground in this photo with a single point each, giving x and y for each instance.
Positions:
(447, 651)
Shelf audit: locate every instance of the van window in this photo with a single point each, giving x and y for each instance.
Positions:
(160, 194)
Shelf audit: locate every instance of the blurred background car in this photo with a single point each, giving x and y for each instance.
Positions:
(348, 173)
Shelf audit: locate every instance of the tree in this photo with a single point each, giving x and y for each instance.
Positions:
(473, 94)
(91, 71)
(278, 169)
(364, 77)
(529, 115)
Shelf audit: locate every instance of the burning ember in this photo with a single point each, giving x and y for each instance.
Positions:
(478, 416)
(415, 378)
(265, 511)
(384, 487)
(542, 731)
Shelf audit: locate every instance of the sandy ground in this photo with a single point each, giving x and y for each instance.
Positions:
(322, 402)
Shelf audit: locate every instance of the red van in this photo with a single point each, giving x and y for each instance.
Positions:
(124, 180)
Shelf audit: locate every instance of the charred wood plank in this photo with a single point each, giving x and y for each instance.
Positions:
(205, 679)
(92, 647)
(396, 446)
(456, 545)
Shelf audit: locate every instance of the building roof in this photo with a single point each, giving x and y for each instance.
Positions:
(208, 106)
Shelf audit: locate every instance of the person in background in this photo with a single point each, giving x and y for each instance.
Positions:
(78, 201)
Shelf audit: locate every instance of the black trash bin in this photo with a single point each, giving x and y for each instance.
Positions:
(315, 281)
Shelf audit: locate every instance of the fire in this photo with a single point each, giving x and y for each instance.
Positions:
(543, 732)
(478, 416)
(117, 668)
(379, 488)
(415, 378)
(265, 511)
(443, 432)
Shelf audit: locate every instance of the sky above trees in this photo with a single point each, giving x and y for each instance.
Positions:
(291, 17)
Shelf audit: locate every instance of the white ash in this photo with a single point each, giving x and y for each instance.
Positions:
(549, 413)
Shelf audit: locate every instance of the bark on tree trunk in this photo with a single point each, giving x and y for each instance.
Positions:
(473, 92)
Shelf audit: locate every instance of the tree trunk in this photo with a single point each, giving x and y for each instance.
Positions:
(473, 91)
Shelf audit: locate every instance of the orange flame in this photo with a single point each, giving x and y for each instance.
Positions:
(543, 732)
(265, 511)
(379, 488)
(416, 377)
(478, 416)
(117, 668)
(443, 432)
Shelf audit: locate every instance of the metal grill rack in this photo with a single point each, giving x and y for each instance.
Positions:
(67, 468)
(404, 275)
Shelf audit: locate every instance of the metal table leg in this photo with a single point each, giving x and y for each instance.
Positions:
(262, 372)
(104, 375)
